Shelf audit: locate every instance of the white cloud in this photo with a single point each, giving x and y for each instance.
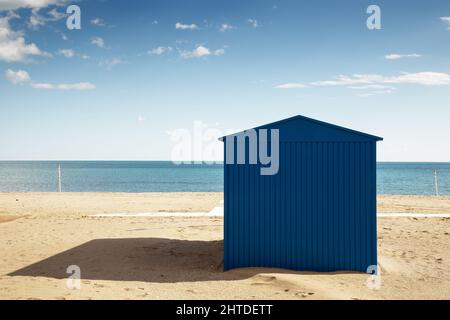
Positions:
(36, 19)
(447, 20)
(17, 77)
(160, 50)
(376, 84)
(109, 63)
(22, 77)
(68, 53)
(98, 22)
(16, 4)
(198, 52)
(201, 51)
(12, 15)
(396, 56)
(226, 27)
(99, 42)
(181, 26)
(375, 93)
(141, 119)
(292, 86)
(420, 78)
(253, 23)
(219, 52)
(64, 86)
(56, 15)
(371, 87)
(13, 47)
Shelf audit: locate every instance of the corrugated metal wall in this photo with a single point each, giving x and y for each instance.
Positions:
(318, 213)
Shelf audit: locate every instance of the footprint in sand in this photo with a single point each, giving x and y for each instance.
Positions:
(263, 280)
(304, 294)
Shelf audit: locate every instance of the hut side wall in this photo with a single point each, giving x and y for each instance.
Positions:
(318, 213)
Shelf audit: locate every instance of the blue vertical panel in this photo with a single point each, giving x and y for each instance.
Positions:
(357, 194)
(351, 206)
(373, 211)
(341, 199)
(326, 181)
(303, 207)
(307, 199)
(363, 204)
(226, 208)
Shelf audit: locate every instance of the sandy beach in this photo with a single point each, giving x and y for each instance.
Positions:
(41, 234)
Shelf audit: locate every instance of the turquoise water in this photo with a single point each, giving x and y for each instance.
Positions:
(148, 176)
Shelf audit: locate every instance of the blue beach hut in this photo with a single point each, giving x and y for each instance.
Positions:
(315, 211)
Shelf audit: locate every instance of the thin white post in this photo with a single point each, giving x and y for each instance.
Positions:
(59, 178)
(436, 185)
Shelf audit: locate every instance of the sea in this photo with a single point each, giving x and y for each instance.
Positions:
(165, 176)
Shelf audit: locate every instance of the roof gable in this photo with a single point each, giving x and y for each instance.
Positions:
(300, 128)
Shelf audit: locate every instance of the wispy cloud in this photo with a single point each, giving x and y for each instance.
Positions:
(13, 47)
(68, 53)
(109, 63)
(372, 87)
(419, 78)
(226, 27)
(253, 22)
(373, 90)
(17, 77)
(376, 93)
(98, 22)
(159, 50)
(292, 85)
(37, 19)
(99, 42)
(64, 86)
(21, 77)
(446, 20)
(396, 56)
(56, 15)
(201, 51)
(376, 84)
(182, 26)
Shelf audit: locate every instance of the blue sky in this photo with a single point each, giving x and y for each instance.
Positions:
(140, 69)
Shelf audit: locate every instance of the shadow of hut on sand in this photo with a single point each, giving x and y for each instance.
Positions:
(138, 259)
(146, 259)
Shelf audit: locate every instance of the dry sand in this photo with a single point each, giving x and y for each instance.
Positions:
(41, 234)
